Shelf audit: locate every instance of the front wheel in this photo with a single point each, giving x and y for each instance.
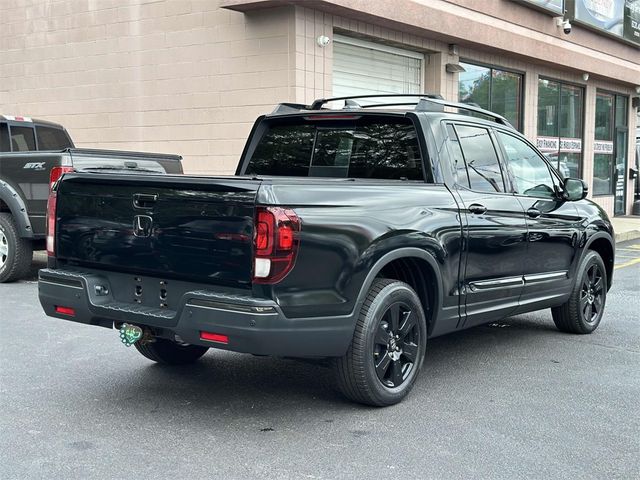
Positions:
(15, 252)
(167, 352)
(584, 309)
(388, 346)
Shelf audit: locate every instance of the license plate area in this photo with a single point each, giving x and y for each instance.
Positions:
(153, 292)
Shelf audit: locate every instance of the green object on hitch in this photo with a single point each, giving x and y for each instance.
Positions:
(130, 334)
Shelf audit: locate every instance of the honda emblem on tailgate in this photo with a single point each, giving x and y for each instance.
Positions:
(142, 225)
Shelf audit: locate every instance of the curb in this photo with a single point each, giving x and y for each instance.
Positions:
(626, 236)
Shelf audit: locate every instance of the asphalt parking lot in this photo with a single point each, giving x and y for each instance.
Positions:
(517, 399)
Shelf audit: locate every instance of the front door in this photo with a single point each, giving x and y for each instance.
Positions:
(553, 224)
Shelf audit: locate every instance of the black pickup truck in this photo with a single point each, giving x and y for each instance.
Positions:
(353, 233)
(33, 154)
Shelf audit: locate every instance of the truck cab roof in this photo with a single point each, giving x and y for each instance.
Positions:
(17, 119)
(390, 104)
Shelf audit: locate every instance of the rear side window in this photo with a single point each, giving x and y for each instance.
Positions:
(480, 158)
(459, 168)
(52, 138)
(22, 139)
(367, 147)
(5, 145)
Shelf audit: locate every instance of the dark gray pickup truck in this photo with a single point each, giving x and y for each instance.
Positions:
(33, 155)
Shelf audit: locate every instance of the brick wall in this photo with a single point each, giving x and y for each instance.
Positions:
(175, 76)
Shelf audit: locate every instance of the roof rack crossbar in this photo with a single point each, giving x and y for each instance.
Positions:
(437, 105)
(318, 103)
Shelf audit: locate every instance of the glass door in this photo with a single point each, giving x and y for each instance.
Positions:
(621, 138)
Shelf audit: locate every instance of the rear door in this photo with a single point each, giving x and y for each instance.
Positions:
(494, 227)
(196, 229)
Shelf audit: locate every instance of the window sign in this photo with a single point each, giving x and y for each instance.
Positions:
(605, 147)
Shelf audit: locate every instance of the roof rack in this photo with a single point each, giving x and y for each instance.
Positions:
(437, 105)
(350, 101)
(426, 102)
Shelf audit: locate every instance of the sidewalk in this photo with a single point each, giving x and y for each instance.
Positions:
(626, 228)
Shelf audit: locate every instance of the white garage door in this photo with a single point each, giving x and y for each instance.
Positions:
(361, 68)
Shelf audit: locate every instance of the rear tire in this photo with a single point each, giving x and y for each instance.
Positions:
(583, 311)
(16, 253)
(388, 346)
(167, 352)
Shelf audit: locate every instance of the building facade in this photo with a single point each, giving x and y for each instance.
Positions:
(190, 76)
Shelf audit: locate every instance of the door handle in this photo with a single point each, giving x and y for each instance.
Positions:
(534, 212)
(477, 208)
(143, 200)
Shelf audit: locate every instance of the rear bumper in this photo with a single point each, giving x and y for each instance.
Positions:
(253, 325)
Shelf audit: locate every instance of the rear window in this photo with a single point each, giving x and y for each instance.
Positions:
(365, 147)
(52, 138)
(22, 139)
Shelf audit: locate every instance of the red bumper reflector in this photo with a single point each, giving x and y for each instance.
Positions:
(214, 337)
(66, 311)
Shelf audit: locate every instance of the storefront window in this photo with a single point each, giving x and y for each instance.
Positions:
(560, 111)
(493, 89)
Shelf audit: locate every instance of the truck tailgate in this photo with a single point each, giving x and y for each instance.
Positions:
(191, 228)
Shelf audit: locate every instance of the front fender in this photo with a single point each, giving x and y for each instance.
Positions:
(12, 198)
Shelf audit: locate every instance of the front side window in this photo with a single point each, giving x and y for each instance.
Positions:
(492, 89)
(22, 139)
(530, 172)
(480, 158)
(367, 147)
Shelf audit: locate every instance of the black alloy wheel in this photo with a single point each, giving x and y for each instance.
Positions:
(583, 310)
(592, 294)
(396, 344)
(388, 346)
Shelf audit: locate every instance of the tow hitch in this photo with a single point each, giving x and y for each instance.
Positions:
(130, 334)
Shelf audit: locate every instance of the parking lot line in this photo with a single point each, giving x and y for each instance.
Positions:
(627, 264)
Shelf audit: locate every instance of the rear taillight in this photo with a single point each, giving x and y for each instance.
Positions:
(56, 173)
(276, 241)
(51, 222)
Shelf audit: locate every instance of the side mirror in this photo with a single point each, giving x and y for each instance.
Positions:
(575, 189)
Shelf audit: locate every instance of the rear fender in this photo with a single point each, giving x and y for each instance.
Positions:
(407, 252)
